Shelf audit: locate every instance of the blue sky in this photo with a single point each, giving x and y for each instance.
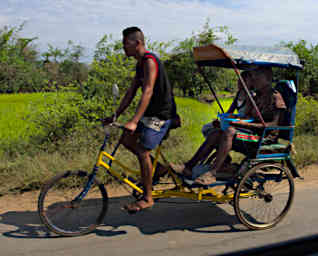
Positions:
(254, 22)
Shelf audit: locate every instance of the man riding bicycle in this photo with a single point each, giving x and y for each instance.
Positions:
(152, 118)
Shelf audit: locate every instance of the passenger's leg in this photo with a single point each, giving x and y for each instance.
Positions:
(202, 153)
(205, 149)
(225, 147)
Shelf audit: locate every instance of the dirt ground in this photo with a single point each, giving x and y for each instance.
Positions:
(28, 201)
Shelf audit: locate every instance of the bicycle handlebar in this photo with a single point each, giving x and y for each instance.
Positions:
(114, 124)
(118, 125)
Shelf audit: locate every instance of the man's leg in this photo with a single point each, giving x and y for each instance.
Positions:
(146, 173)
(205, 149)
(130, 141)
(225, 147)
(142, 145)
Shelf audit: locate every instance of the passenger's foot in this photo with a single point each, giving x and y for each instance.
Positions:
(181, 169)
(139, 205)
(205, 179)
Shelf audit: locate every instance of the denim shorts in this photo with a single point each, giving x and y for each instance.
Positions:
(150, 138)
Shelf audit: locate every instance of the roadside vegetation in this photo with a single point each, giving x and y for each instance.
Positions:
(50, 102)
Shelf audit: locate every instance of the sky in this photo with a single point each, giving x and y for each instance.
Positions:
(253, 22)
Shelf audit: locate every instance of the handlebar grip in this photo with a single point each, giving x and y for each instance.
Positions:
(118, 125)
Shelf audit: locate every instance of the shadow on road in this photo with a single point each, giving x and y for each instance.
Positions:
(167, 215)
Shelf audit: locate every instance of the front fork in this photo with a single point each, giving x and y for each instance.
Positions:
(92, 176)
(88, 185)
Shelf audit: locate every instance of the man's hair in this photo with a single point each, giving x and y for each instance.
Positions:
(266, 71)
(134, 33)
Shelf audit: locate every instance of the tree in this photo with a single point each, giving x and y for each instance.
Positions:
(63, 66)
(181, 67)
(19, 71)
(309, 56)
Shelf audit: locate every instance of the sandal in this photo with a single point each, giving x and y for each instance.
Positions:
(205, 179)
(138, 206)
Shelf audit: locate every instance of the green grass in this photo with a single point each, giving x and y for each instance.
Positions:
(15, 113)
(24, 172)
(195, 114)
(13, 110)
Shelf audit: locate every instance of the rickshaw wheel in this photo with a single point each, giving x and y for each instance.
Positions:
(263, 196)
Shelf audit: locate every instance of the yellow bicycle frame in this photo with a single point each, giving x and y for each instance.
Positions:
(178, 191)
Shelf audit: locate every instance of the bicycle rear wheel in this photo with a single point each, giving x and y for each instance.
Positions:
(264, 196)
(65, 216)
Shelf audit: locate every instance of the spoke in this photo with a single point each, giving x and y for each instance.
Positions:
(272, 187)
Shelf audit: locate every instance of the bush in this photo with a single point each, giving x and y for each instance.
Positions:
(307, 116)
(67, 114)
(306, 150)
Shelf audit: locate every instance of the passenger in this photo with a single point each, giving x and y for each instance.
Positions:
(241, 104)
(271, 105)
(154, 112)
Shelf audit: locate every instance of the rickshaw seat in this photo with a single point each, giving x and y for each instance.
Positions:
(286, 129)
(275, 147)
(278, 150)
(288, 91)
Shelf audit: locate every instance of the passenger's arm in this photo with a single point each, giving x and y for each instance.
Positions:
(274, 122)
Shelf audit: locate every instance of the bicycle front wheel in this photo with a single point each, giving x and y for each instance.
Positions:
(65, 216)
(264, 196)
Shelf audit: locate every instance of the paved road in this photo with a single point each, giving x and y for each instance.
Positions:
(173, 227)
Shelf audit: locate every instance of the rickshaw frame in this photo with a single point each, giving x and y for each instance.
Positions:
(234, 190)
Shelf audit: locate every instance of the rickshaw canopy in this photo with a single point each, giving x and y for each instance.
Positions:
(246, 57)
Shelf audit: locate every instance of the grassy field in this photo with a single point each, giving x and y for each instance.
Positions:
(25, 172)
(15, 112)
(194, 115)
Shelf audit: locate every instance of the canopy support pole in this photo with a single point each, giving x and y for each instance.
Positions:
(211, 89)
(249, 95)
(226, 55)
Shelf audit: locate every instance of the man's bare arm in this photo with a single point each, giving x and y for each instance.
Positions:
(150, 74)
(275, 122)
(130, 94)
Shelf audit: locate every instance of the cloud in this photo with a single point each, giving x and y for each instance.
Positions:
(3, 21)
(86, 21)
